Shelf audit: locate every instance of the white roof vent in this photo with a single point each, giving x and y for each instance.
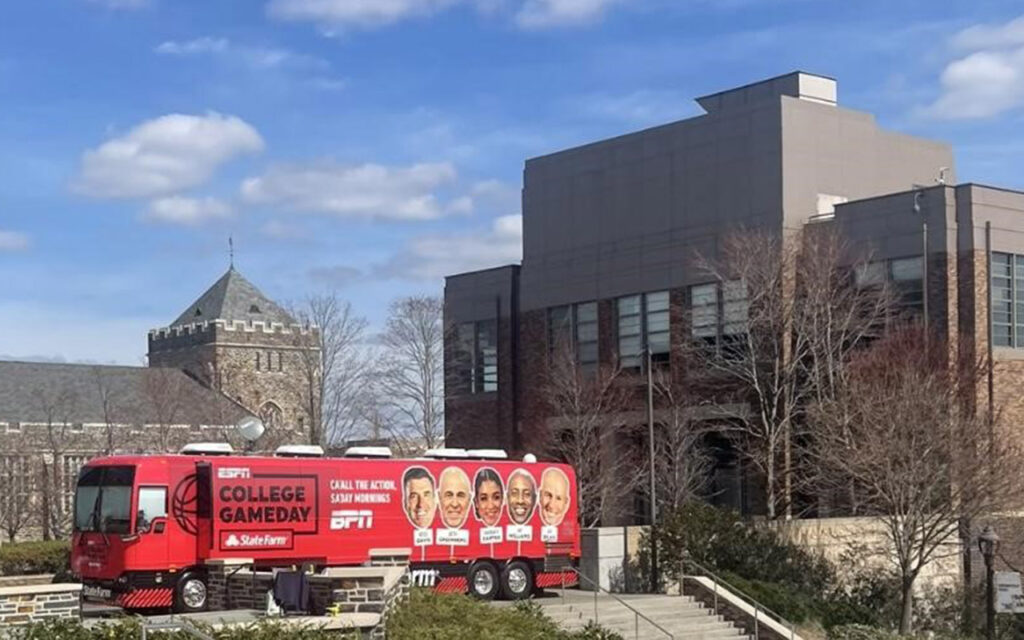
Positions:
(488, 454)
(207, 449)
(529, 458)
(299, 451)
(445, 453)
(368, 452)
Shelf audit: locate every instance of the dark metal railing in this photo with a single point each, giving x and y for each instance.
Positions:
(760, 611)
(637, 616)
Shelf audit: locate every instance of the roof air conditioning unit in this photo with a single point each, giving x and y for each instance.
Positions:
(367, 452)
(299, 451)
(207, 449)
(488, 454)
(446, 453)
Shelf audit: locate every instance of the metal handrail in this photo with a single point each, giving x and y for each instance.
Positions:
(739, 593)
(636, 614)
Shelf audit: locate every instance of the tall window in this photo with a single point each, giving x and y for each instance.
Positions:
(904, 275)
(907, 276)
(574, 328)
(477, 356)
(718, 309)
(1007, 300)
(643, 320)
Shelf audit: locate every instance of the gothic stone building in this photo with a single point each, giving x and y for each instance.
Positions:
(610, 230)
(232, 353)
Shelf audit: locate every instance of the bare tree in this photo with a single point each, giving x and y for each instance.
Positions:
(56, 404)
(903, 430)
(586, 415)
(682, 462)
(112, 403)
(332, 369)
(16, 488)
(791, 315)
(411, 375)
(163, 393)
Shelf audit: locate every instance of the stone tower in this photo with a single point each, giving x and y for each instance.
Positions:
(235, 339)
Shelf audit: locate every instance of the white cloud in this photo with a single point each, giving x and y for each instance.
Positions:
(257, 57)
(367, 191)
(355, 13)
(342, 14)
(281, 231)
(988, 78)
(986, 36)
(186, 211)
(13, 241)
(122, 4)
(542, 14)
(193, 47)
(431, 257)
(165, 155)
(638, 108)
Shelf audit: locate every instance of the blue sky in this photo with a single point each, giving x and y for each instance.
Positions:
(371, 146)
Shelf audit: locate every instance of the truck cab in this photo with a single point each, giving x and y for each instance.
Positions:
(125, 548)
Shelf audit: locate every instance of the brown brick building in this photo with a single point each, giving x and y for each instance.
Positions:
(610, 229)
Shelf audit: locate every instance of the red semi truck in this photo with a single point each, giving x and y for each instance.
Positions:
(146, 526)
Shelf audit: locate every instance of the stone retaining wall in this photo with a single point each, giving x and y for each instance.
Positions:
(353, 590)
(24, 604)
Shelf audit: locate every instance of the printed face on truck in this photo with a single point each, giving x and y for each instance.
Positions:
(522, 496)
(455, 497)
(554, 496)
(488, 496)
(420, 499)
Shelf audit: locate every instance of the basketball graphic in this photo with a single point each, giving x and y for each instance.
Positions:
(184, 505)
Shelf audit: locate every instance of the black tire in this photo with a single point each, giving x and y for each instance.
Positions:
(482, 580)
(191, 594)
(516, 581)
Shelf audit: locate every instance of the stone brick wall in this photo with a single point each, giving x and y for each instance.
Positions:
(224, 356)
(21, 605)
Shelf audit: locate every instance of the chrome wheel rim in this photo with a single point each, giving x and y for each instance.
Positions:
(193, 594)
(517, 580)
(483, 582)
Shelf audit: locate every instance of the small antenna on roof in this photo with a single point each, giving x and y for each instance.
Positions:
(231, 252)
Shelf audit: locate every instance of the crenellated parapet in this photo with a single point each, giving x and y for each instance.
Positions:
(237, 331)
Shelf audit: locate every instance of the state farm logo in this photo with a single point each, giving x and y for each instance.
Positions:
(233, 473)
(261, 540)
(351, 519)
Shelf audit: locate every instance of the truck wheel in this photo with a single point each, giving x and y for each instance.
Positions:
(482, 580)
(516, 580)
(191, 594)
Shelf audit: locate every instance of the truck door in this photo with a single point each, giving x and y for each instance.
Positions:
(153, 546)
(204, 510)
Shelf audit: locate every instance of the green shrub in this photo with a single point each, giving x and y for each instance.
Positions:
(25, 558)
(860, 632)
(430, 616)
(721, 541)
(130, 629)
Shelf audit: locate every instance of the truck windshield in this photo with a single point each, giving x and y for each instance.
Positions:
(103, 499)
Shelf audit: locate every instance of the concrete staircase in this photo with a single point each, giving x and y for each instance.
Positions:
(680, 616)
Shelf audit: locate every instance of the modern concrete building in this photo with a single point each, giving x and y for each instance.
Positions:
(610, 230)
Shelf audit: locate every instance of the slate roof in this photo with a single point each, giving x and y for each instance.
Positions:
(233, 297)
(30, 391)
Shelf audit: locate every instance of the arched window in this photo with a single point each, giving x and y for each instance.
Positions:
(270, 414)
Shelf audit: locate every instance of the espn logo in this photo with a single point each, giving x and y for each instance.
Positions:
(233, 473)
(351, 519)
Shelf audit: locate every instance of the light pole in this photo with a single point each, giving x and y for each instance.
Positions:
(988, 544)
(918, 197)
(650, 448)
